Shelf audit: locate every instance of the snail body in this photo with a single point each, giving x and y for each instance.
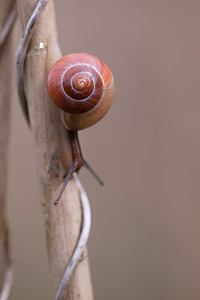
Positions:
(82, 86)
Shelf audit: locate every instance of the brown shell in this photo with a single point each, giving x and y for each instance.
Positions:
(80, 83)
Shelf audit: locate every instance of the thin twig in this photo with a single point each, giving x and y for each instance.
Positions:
(80, 246)
(10, 21)
(9, 263)
(8, 280)
(21, 54)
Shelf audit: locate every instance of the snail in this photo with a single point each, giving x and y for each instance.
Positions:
(82, 86)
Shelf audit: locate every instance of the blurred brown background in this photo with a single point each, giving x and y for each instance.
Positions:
(145, 239)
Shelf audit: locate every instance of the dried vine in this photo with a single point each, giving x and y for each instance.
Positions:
(7, 20)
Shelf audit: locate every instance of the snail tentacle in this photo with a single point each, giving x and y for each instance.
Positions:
(89, 168)
(69, 175)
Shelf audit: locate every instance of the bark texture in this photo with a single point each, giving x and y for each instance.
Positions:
(62, 222)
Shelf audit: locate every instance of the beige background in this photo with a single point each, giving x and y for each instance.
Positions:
(145, 239)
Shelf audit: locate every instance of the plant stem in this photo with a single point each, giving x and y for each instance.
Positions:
(6, 62)
(51, 139)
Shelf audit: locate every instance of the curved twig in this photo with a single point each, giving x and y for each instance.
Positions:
(10, 21)
(86, 213)
(81, 243)
(21, 54)
(8, 281)
(9, 263)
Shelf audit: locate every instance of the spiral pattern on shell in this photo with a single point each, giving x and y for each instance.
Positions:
(78, 83)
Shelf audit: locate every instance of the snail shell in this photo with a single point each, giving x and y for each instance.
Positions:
(82, 86)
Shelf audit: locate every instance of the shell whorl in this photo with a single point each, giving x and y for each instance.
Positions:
(78, 83)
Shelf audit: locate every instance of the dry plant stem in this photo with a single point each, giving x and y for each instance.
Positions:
(62, 222)
(6, 61)
(10, 21)
(85, 228)
(8, 279)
